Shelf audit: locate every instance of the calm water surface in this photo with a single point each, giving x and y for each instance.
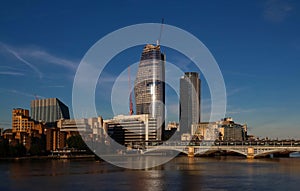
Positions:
(182, 173)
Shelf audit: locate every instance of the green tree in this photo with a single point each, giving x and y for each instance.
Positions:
(37, 146)
(17, 151)
(76, 142)
(4, 148)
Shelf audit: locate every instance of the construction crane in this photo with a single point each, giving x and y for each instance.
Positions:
(161, 29)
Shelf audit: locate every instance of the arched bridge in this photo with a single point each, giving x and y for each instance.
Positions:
(248, 149)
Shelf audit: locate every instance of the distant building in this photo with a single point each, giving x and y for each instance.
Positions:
(24, 128)
(225, 129)
(149, 86)
(88, 128)
(186, 137)
(171, 132)
(173, 125)
(231, 131)
(127, 130)
(189, 108)
(49, 110)
(205, 131)
(55, 139)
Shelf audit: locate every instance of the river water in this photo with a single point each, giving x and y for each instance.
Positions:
(181, 173)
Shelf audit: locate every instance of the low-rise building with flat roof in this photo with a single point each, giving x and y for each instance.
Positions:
(129, 129)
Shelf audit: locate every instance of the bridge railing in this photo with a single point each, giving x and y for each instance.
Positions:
(259, 143)
(224, 143)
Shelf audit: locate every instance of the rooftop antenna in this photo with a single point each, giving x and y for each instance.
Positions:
(161, 29)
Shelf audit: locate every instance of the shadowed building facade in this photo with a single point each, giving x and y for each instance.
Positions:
(48, 110)
(149, 86)
(189, 109)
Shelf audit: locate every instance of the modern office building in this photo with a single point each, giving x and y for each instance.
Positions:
(189, 107)
(48, 110)
(149, 86)
(130, 129)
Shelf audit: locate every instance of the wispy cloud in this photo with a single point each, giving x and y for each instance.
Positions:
(11, 73)
(185, 63)
(5, 124)
(49, 58)
(277, 10)
(29, 54)
(235, 91)
(239, 110)
(239, 74)
(54, 86)
(16, 54)
(24, 93)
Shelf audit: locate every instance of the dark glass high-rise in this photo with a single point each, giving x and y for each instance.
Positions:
(190, 93)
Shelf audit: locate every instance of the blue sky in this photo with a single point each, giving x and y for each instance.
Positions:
(256, 44)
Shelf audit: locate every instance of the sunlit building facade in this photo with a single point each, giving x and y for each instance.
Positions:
(129, 129)
(24, 128)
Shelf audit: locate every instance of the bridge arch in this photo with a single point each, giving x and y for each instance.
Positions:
(179, 150)
(210, 151)
(276, 151)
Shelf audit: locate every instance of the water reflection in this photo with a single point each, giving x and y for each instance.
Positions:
(181, 173)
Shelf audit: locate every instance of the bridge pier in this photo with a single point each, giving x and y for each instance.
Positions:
(191, 152)
(250, 153)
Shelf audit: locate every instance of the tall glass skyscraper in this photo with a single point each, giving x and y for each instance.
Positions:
(49, 110)
(189, 109)
(149, 86)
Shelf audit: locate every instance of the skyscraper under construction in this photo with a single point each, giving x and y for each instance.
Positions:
(149, 86)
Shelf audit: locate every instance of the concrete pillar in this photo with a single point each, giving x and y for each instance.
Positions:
(191, 152)
(250, 152)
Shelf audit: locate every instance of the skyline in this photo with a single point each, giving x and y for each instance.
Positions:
(256, 45)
